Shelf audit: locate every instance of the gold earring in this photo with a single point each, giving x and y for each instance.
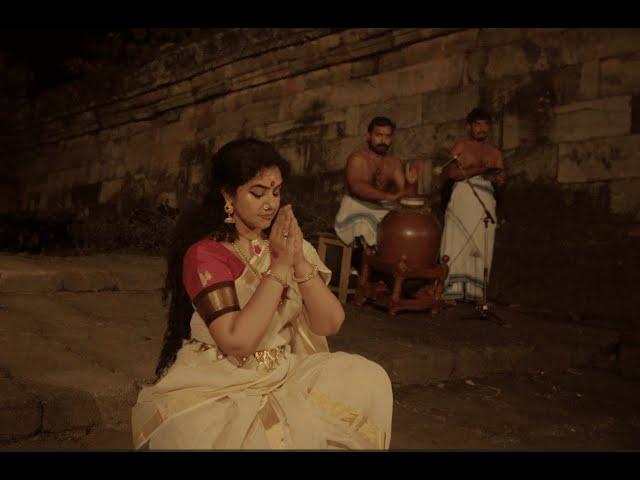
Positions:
(228, 209)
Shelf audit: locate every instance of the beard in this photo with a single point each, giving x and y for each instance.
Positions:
(380, 149)
(482, 136)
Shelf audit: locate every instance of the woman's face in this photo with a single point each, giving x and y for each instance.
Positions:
(256, 203)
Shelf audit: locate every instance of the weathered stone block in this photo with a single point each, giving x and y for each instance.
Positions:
(491, 37)
(507, 60)
(20, 411)
(337, 151)
(210, 85)
(585, 44)
(392, 61)
(456, 43)
(171, 140)
(590, 81)
(252, 115)
(109, 190)
(570, 84)
(296, 155)
(620, 75)
(223, 139)
(402, 36)
(352, 121)
(365, 67)
(511, 131)
(38, 281)
(423, 77)
(85, 280)
(625, 197)
(67, 409)
(320, 78)
(204, 117)
(534, 165)
(411, 143)
(112, 151)
(404, 111)
(277, 89)
(308, 105)
(172, 102)
(599, 159)
(323, 124)
(446, 135)
(78, 152)
(139, 149)
(359, 91)
(445, 106)
(557, 49)
(65, 179)
(606, 117)
(475, 66)
(97, 171)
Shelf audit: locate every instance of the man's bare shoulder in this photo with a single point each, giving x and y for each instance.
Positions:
(460, 146)
(356, 158)
(466, 143)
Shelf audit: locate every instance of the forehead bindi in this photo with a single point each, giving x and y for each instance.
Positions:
(269, 178)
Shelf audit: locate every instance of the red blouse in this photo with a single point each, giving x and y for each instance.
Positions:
(207, 264)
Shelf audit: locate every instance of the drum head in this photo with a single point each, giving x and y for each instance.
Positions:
(388, 204)
(412, 201)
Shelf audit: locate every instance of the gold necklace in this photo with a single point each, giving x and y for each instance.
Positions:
(246, 260)
(259, 275)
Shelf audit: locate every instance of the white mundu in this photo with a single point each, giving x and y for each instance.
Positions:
(463, 239)
(358, 218)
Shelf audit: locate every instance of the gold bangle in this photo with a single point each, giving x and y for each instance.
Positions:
(277, 278)
(309, 276)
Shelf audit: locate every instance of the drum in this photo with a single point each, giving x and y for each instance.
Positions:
(410, 232)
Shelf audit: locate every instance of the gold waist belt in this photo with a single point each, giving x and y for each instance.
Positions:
(267, 359)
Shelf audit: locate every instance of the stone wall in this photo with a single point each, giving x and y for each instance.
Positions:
(567, 117)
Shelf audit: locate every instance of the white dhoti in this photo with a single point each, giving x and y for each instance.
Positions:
(357, 218)
(463, 239)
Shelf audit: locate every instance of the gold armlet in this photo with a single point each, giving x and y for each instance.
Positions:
(216, 300)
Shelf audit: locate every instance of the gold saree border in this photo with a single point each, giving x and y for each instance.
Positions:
(359, 423)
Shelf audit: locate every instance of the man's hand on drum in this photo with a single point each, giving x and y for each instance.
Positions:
(411, 172)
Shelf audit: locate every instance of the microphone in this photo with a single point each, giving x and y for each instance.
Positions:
(438, 170)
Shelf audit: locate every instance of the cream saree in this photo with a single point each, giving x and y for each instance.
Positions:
(296, 395)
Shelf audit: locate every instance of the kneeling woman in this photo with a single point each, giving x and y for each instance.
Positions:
(245, 363)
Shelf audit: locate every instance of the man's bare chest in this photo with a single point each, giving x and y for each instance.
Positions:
(479, 155)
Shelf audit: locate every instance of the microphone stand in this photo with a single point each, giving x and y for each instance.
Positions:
(483, 309)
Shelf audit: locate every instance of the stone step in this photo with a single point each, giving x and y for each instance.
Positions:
(28, 409)
(86, 351)
(73, 360)
(40, 274)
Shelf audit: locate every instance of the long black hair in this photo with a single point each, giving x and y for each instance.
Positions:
(233, 165)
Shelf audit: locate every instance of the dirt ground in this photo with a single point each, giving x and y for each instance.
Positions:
(78, 336)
